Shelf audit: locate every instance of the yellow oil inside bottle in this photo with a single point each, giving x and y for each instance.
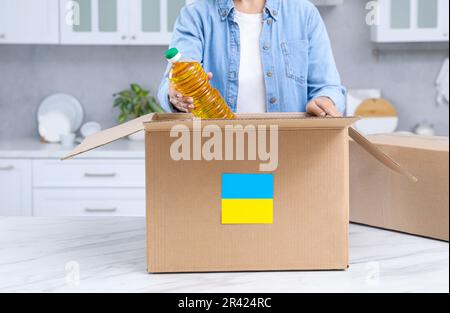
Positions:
(190, 80)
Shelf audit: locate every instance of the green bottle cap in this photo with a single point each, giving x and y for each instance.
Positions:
(171, 53)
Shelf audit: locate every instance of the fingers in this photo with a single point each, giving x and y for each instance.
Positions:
(184, 104)
(314, 109)
(322, 107)
(329, 107)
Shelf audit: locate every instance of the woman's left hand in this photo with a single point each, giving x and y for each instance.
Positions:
(322, 106)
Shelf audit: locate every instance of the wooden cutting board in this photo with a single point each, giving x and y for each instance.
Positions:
(378, 115)
(376, 108)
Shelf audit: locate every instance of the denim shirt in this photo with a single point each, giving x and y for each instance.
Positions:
(297, 59)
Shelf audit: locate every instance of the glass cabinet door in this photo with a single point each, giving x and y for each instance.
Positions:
(152, 21)
(173, 10)
(150, 16)
(107, 16)
(400, 17)
(106, 19)
(94, 21)
(427, 14)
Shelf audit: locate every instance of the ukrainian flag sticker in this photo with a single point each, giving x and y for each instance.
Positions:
(247, 198)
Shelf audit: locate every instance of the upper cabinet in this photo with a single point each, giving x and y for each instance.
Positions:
(412, 21)
(153, 21)
(94, 21)
(118, 22)
(29, 22)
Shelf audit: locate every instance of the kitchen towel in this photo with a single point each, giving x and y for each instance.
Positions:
(442, 83)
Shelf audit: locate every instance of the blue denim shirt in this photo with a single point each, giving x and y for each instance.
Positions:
(295, 49)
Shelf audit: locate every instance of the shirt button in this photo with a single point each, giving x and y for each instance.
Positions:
(269, 22)
(275, 12)
(273, 100)
(269, 74)
(266, 46)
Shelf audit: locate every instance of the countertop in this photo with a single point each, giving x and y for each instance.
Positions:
(108, 255)
(33, 149)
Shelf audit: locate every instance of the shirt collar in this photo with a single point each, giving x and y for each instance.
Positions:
(272, 8)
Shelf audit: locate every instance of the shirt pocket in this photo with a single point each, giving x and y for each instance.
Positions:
(295, 54)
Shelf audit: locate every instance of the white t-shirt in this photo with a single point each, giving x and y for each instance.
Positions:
(252, 89)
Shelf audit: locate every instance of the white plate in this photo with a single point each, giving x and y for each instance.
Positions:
(53, 125)
(377, 125)
(65, 104)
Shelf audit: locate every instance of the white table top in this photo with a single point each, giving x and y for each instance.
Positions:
(108, 255)
(33, 149)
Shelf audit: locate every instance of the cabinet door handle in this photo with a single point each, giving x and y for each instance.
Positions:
(124, 37)
(6, 168)
(100, 210)
(2, 36)
(105, 175)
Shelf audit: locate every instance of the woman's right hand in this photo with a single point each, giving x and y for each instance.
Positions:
(180, 102)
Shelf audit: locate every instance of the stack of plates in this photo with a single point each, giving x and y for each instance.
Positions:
(59, 115)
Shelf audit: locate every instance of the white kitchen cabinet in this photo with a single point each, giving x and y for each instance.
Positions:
(152, 22)
(118, 22)
(34, 180)
(89, 202)
(29, 22)
(89, 187)
(412, 21)
(94, 21)
(15, 187)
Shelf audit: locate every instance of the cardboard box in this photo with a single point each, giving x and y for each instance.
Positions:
(191, 211)
(381, 199)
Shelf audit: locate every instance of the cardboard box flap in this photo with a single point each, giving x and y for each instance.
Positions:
(378, 154)
(431, 143)
(109, 135)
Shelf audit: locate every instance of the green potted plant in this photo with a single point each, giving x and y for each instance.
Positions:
(133, 103)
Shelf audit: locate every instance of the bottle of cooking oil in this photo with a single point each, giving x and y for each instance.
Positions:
(189, 79)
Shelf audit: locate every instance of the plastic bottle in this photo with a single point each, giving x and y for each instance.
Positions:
(189, 79)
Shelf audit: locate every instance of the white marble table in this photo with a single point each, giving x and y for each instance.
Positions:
(108, 255)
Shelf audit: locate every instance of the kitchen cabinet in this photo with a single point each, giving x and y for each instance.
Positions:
(108, 182)
(118, 22)
(29, 22)
(94, 21)
(89, 187)
(15, 187)
(412, 21)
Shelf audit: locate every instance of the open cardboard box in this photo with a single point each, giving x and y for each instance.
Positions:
(187, 230)
(382, 199)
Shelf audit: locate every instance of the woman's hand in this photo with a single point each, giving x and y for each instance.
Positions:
(180, 102)
(322, 106)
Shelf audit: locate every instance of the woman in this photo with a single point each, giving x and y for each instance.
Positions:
(266, 56)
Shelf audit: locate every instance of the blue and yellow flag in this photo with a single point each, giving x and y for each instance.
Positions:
(247, 199)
